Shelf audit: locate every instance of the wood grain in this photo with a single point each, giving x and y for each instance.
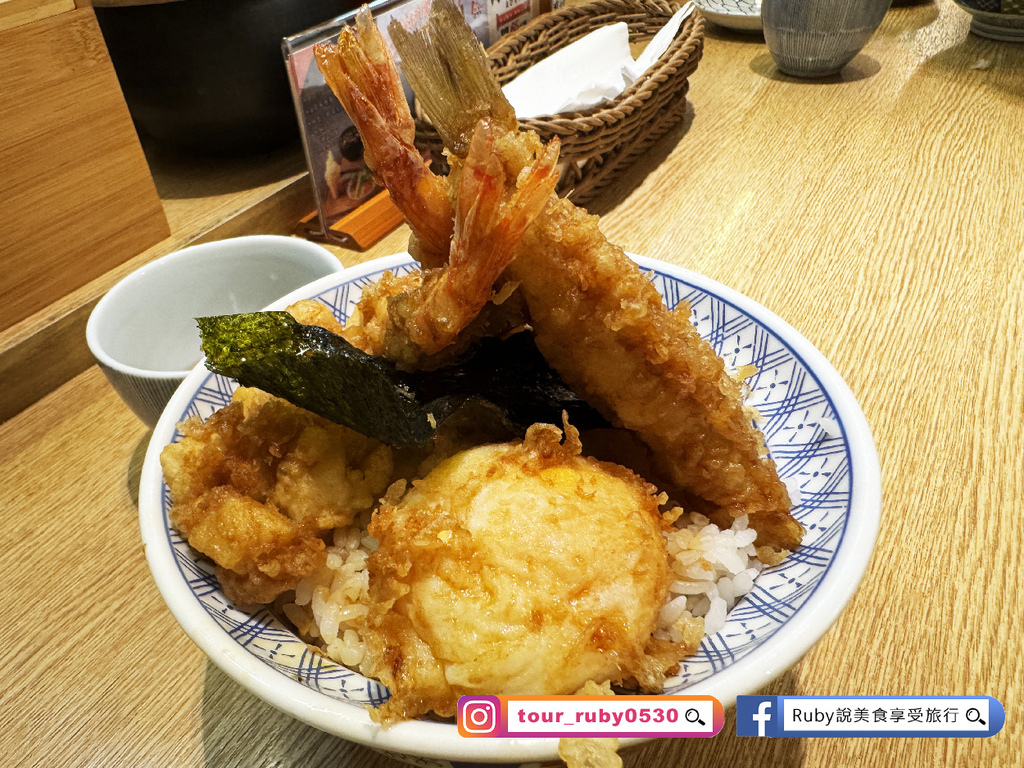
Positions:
(76, 196)
(203, 200)
(367, 224)
(878, 213)
(15, 13)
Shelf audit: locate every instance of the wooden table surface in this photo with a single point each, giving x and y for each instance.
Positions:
(881, 213)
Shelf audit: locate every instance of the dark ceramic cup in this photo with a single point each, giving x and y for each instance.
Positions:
(817, 38)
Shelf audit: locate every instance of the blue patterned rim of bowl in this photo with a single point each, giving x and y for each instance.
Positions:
(813, 427)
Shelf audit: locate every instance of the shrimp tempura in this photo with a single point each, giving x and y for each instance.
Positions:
(597, 319)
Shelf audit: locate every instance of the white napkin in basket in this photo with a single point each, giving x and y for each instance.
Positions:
(595, 68)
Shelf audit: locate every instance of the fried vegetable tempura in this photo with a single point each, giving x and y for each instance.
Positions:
(256, 486)
(518, 568)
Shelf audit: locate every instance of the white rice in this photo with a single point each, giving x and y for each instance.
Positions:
(714, 569)
(330, 605)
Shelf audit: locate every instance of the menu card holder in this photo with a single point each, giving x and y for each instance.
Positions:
(350, 209)
(359, 228)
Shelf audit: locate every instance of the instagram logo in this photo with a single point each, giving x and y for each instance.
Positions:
(479, 716)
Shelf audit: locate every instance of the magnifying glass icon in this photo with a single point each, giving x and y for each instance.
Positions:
(693, 716)
(973, 716)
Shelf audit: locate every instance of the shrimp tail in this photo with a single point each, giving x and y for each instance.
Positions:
(489, 223)
(447, 68)
(360, 60)
(363, 77)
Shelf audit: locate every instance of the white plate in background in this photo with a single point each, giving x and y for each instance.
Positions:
(743, 15)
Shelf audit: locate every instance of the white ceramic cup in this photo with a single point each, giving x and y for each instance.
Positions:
(143, 333)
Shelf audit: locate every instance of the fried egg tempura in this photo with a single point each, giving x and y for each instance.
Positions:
(518, 568)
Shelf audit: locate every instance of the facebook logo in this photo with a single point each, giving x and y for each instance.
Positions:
(756, 715)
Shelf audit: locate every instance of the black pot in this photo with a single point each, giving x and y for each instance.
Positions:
(208, 76)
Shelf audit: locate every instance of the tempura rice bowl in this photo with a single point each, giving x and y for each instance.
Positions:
(817, 436)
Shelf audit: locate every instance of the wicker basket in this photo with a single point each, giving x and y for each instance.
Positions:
(598, 142)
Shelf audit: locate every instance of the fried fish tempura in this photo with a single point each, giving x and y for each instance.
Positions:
(604, 327)
(256, 485)
(519, 568)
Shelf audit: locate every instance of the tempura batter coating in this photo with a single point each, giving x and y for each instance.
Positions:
(256, 485)
(259, 552)
(604, 327)
(518, 568)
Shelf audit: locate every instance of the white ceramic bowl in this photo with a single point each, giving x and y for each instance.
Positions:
(143, 332)
(817, 435)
